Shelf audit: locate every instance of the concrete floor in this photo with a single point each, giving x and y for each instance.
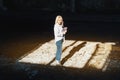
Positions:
(13, 48)
(23, 34)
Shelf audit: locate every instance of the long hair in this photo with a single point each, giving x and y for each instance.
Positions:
(57, 17)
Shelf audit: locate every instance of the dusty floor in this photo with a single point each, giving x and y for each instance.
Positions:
(13, 48)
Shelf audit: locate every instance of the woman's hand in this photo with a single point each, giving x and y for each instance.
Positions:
(64, 30)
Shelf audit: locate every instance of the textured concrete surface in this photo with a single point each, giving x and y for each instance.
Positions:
(31, 57)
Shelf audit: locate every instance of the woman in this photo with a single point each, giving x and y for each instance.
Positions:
(59, 33)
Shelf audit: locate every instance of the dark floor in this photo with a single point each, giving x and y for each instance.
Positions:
(84, 27)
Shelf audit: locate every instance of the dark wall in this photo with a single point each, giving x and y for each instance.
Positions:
(41, 5)
(102, 6)
(36, 16)
(98, 6)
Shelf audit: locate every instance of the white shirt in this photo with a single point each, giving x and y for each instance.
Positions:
(58, 32)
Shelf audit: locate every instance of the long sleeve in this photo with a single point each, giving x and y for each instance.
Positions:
(58, 32)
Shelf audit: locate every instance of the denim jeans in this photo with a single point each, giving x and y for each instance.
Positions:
(59, 49)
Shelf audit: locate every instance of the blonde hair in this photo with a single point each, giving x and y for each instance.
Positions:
(57, 17)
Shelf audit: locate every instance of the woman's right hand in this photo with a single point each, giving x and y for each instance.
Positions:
(64, 30)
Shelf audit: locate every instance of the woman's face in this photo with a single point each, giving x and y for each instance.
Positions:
(60, 21)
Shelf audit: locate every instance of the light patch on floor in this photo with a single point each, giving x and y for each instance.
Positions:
(80, 58)
(44, 54)
(93, 54)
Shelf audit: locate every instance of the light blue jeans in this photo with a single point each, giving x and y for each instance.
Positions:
(59, 50)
